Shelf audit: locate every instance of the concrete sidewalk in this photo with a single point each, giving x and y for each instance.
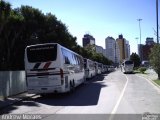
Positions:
(14, 99)
(150, 74)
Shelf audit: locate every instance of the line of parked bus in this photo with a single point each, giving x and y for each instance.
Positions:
(93, 68)
(52, 68)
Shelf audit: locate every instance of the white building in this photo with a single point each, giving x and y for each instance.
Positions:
(127, 51)
(99, 49)
(112, 49)
(104, 53)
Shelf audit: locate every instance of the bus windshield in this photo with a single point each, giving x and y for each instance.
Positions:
(128, 62)
(42, 53)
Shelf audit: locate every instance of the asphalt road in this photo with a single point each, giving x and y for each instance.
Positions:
(126, 96)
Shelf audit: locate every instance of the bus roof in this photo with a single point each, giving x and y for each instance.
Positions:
(43, 44)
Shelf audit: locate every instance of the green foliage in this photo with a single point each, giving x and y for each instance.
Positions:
(136, 68)
(142, 69)
(11, 35)
(27, 25)
(157, 82)
(5, 9)
(155, 59)
(136, 59)
(90, 53)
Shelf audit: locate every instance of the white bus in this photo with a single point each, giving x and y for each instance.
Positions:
(105, 68)
(96, 67)
(127, 66)
(100, 68)
(89, 67)
(52, 68)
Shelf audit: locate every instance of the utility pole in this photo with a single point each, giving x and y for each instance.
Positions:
(137, 43)
(139, 20)
(157, 21)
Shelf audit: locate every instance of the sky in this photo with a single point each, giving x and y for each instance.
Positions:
(101, 18)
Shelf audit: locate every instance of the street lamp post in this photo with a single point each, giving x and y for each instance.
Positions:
(157, 21)
(137, 43)
(139, 20)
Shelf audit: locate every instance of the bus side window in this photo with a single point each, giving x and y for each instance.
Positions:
(81, 63)
(74, 61)
(65, 55)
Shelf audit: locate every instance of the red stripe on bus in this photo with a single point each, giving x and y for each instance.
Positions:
(47, 65)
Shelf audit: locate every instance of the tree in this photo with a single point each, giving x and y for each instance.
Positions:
(154, 59)
(136, 59)
(11, 26)
(5, 9)
(90, 53)
(12, 33)
(26, 26)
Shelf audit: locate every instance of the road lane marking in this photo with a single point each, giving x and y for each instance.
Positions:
(120, 98)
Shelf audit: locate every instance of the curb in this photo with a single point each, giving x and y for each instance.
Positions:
(150, 80)
(155, 84)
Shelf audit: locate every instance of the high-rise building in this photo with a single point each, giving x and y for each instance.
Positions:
(149, 41)
(112, 49)
(99, 49)
(117, 52)
(122, 47)
(88, 40)
(144, 50)
(104, 53)
(127, 51)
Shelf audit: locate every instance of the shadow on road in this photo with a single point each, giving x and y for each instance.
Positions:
(130, 73)
(84, 95)
(8, 109)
